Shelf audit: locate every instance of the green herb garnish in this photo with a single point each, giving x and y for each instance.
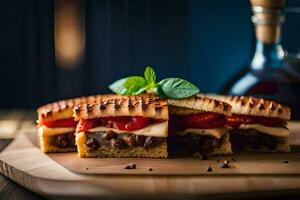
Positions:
(174, 88)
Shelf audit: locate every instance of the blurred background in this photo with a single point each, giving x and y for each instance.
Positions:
(52, 50)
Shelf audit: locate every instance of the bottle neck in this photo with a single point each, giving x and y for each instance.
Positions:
(267, 56)
(269, 53)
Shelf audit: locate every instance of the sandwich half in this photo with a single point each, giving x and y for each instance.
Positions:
(198, 126)
(123, 126)
(56, 124)
(257, 124)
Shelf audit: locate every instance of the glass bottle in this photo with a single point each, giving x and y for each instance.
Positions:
(268, 75)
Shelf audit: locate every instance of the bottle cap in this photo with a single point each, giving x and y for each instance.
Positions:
(268, 17)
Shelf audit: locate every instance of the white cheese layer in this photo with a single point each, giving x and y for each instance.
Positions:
(155, 130)
(44, 130)
(215, 132)
(274, 131)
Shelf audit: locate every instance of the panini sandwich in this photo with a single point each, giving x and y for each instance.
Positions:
(56, 125)
(257, 124)
(198, 126)
(123, 126)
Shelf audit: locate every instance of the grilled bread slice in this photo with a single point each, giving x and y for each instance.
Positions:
(199, 104)
(266, 129)
(248, 105)
(64, 109)
(198, 126)
(56, 125)
(146, 105)
(104, 127)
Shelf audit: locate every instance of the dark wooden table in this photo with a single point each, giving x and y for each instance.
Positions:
(12, 122)
(11, 190)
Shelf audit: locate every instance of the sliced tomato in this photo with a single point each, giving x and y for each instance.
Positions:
(86, 124)
(270, 121)
(127, 123)
(122, 123)
(70, 122)
(212, 124)
(202, 120)
(236, 120)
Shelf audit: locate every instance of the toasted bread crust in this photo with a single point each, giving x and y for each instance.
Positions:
(175, 110)
(47, 147)
(247, 105)
(200, 103)
(146, 105)
(64, 109)
(46, 141)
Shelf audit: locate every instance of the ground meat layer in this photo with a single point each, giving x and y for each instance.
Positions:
(240, 139)
(64, 140)
(203, 144)
(120, 141)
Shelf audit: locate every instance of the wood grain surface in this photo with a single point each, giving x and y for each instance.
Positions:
(10, 190)
(25, 164)
(241, 164)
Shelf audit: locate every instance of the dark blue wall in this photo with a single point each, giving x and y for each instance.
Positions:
(204, 41)
(221, 39)
(125, 36)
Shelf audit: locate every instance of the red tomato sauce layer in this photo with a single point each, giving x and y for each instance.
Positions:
(236, 120)
(205, 120)
(70, 122)
(126, 123)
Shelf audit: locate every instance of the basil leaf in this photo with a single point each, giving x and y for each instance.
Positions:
(135, 85)
(177, 88)
(139, 91)
(118, 86)
(168, 88)
(160, 92)
(150, 75)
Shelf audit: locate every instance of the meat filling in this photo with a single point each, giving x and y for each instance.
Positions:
(203, 144)
(120, 141)
(250, 137)
(64, 140)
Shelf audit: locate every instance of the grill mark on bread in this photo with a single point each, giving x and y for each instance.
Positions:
(273, 107)
(146, 105)
(64, 108)
(77, 109)
(261, 107)
(226, 107)
(102, 106)
(89, 108)
(117, 103)
(243, 102)
(251, 104)
(247, 105)
(130, 104)
(157, 106)
(47, 113)
(201, 103)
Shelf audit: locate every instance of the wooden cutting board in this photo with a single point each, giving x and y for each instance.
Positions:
(66, 175)
(241, 164)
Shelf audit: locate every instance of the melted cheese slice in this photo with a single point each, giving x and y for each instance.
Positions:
(215, 132)
(274, 131)
(44, 130)
(155, 130)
